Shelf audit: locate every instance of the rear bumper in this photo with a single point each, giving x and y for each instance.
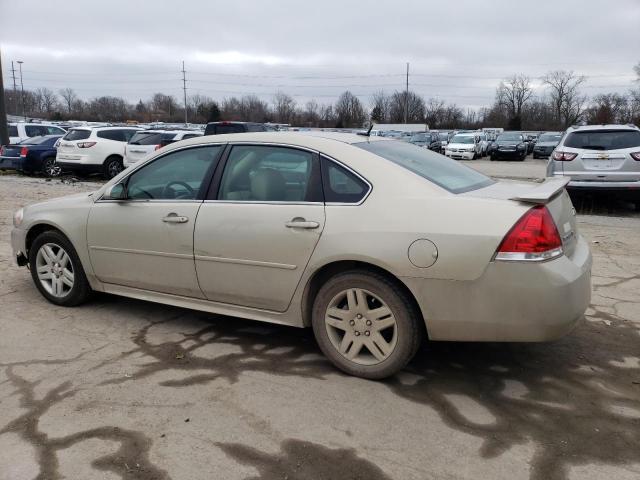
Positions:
(12, 163)
(510, 302)
(617, 186)
(78, 167)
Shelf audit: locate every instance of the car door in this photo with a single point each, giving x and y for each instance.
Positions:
(256, 233)
(146, 240)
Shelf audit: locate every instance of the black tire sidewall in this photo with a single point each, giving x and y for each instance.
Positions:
(80, 290)
(107, 163)
(408, 330)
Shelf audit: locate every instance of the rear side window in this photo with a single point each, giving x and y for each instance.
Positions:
(436, 168)
(340, 185)
(603, 139)
(116, 135)
(222, 129)
(51, 130)
(256, 128)
(74, 134)
(146, 138)
(13, 131)
(35, 130)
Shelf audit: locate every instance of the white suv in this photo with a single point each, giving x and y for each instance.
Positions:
(145, 142)
(91, 150)
(21, 131)
(599, 157)
(464, 146)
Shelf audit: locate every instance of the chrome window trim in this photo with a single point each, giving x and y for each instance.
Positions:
(351, 170)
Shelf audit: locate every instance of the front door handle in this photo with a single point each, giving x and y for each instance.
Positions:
(299, 222)
(175, 218)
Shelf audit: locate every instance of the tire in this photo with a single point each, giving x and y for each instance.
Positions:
(351, 328)
(49, 167)
(112, 166)
(42, 263)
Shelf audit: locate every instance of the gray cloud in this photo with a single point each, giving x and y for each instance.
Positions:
(458, 50)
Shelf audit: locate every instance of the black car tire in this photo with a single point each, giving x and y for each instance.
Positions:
(81, 289)
(49, 168)
(409, 329)
(112, 166)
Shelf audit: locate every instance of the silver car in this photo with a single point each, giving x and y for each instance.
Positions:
(599, 157)
(373, 243)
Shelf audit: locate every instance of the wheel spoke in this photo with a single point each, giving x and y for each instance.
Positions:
(45, 275)
(56, 286)
(64, 258)
(356, 299)
(384, 323)
(340, 324)
(47, 254)
(378, 313)
(354, 349)
(378, 346)
(43, 269)
(347, 340)
(338, 313)
(67, 277)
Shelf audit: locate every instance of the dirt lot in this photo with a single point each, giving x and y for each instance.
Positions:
(121, 388)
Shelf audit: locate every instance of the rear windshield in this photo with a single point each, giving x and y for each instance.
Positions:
(74, 134)
(436, 168)
(603, 139)
(510, 137)
(39, 141)
(146, 138)
(550, 137)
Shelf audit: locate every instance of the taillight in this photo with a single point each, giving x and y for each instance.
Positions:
(24, 151)
(2, 150)
(563, 156)
(85, 144)
(533, 238)
(636, 156)
(158, 147)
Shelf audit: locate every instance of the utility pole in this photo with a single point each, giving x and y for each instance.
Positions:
(4, 130)
(184, 88)
(15, 90)
(406, 98)
(24, 114)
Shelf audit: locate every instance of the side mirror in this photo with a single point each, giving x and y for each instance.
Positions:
(116, 192)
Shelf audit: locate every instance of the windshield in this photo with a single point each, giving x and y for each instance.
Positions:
(420, 137)
(603, 139)
(509, 137)
(550, 137)
(462, 139)
(436, 168)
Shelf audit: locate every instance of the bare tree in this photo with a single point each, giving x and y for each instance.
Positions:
(434, 112)
(608, 108)
(398, 103)
(513, 94)
(69, 96)
(349, 111)
(310, 115)
(49, 100)
(564, 95)
(380, 107)
(284, 107)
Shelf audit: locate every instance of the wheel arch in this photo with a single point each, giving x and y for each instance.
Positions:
(322, 274)
(38, 228)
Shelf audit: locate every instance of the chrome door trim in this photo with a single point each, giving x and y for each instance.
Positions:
(240, 261)
(142, 252)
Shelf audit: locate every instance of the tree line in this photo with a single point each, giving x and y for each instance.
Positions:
(516, 106)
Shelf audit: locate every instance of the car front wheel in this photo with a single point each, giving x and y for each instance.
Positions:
(366, 324)
(56, 270)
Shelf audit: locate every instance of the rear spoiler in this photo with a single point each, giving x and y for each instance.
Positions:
(543, 192)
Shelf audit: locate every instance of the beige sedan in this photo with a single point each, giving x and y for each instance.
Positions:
(374, 243)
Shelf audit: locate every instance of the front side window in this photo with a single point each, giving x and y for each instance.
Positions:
(340, 185)
(436, 168)
(259, 173)
(603, 139)
(174, 176)
(35, 130)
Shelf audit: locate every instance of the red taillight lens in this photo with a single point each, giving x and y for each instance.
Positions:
(636, 156)
(2, 150)
(158, 147)
(533, 237)
(564, 156)
(85, 144)
(24, 151)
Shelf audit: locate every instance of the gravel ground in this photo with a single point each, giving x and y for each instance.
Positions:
(120, 388)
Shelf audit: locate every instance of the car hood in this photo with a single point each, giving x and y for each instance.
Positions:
(507, 142)
(60, 203)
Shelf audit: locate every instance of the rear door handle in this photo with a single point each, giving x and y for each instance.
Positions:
(301, 223)
(175, 218)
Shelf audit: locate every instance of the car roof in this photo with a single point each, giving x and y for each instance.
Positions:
(90, 128)
(604, 126)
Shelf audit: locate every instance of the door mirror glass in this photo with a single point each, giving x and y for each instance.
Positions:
(116, 192)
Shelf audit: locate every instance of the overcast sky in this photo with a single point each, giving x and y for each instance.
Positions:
(458, 51)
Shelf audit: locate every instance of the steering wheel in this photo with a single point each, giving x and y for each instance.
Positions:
(167, 188)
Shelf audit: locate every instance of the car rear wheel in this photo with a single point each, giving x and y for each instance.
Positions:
(56, 270)
(365, 324)
(49, 167)
(112, 166)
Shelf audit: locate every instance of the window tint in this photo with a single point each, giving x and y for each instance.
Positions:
(40, 141)
(222, 129)
(175, 176)
(35, 130)
(115, 135)
(128, 134)
(270, 174)
(13, 131)
(190, 135)
(146, 138)
(436, 168)
(603, 139)
(74, 134)
(51, 130)
(340, 185)
(256, 127)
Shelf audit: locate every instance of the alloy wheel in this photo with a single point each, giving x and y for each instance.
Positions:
(361, 327)
(55, 270)
(50, 168)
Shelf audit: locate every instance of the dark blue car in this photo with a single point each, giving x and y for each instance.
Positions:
(34, 155)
